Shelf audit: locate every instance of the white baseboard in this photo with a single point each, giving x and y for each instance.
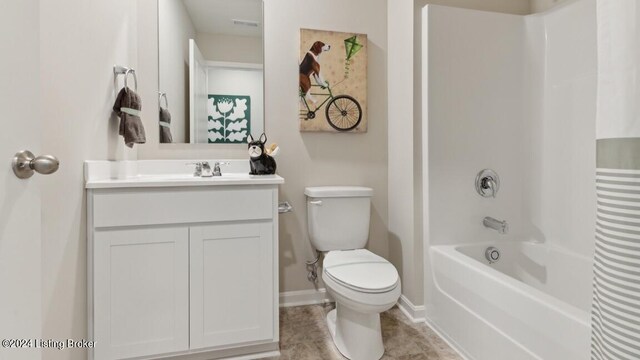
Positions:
(415, 313)
(304, 297)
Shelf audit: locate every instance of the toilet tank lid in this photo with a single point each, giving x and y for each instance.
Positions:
(338, 191)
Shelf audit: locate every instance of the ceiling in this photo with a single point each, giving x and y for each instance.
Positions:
(216, 16)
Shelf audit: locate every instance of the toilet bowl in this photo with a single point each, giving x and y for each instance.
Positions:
(362, 283)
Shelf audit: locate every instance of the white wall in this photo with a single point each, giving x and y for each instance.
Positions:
(519, 7)
(306, 159)
(80, 43)
(174, 35)
(544, 5)
(312, 159)
(220, 47)
(402, 242)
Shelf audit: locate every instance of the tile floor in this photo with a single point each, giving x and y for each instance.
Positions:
(304, 336)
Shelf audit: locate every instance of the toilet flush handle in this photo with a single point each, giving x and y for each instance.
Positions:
(316, 202)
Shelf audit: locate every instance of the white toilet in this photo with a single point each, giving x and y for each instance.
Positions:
(362, 283)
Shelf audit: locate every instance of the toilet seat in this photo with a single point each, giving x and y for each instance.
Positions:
(361, 270)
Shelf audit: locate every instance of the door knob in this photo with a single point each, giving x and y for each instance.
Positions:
(24, 164)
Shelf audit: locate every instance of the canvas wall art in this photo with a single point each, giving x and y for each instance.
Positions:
(229, 119)
(333, 81)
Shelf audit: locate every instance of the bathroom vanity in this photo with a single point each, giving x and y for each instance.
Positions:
(181, 266)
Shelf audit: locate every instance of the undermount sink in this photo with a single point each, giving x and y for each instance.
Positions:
(167, 173)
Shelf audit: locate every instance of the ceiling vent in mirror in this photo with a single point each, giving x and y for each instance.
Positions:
(250, 23)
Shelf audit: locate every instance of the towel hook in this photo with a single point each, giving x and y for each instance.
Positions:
(121, 70)
(166, 101)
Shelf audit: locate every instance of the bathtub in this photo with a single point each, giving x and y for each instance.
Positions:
(533, 303)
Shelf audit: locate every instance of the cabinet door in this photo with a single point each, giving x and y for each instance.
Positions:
(232, 285)
(141, 292)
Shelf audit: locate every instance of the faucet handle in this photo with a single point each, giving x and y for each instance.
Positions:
(216, 167)
(198, 169)
(487, 183)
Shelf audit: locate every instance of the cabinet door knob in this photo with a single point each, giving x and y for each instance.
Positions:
(24, 164)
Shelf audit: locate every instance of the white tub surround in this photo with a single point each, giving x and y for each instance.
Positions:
(179, 266)
(515, 94)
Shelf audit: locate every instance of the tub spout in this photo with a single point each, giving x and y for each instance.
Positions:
(501, 226)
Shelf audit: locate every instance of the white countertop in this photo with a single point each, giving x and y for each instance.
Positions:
(168, 173)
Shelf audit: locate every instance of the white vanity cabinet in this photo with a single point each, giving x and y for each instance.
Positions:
(141, 291)
(231, 276)
(183, 271)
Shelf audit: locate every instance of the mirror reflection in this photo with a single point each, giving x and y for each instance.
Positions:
(210, 71)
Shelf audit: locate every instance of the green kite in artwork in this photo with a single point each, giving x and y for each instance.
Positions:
(351, 46)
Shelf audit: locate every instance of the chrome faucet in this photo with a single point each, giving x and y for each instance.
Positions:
(206, 169)
(216, 168)
(501, 226)
(202, 169)
(198, 169)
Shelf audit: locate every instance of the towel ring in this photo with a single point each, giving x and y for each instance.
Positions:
(135, 79)
(121, 70)
(166, 101)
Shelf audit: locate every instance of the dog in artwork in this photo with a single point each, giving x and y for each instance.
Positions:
(310, 66)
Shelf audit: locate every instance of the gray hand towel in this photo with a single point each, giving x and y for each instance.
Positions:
(127, 107)
(165, 127)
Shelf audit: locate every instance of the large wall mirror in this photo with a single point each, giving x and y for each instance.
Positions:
(210, 71)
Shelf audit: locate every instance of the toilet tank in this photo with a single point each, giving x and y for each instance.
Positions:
(338, 216)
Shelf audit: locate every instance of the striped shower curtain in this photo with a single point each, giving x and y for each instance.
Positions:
(615, 316)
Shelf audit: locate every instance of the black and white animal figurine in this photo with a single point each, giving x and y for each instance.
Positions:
(261, 163)
(310, 66)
